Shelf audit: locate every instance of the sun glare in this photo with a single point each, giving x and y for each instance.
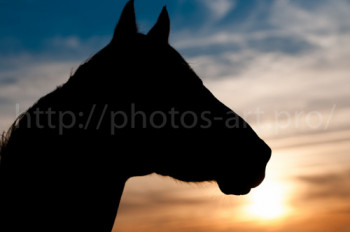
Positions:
(267, 201)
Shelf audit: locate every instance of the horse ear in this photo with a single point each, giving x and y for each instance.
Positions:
(127, 22)
(161, 30)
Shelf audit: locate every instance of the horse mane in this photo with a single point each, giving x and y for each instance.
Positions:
(6, 135)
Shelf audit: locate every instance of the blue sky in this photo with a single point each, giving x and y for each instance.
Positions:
(36, 26)
(281, 64)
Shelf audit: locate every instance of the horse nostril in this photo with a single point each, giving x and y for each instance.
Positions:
(264, 157)
(265, 151)
(268, 153)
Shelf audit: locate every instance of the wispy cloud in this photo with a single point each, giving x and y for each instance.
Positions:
(218, 8)
(297, 66)
(27, 81)
(26, 76)
(327, 194)
(328, 185)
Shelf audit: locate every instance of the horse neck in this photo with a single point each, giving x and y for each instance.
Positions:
(70, 189)
(42, 203)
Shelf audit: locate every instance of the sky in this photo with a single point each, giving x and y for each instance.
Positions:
(283, 65)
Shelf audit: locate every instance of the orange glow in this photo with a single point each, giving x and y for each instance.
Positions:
(268, 201)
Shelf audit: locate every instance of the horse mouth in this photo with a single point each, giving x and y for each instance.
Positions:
(240, 187)
(233, 189)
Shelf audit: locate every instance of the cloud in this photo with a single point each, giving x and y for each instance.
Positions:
(24, 79)
(26, 76)
(283, 44)
(73, 47)
(323, 200)
(218, 8)
(294, 61)
(329, 185)
(327, 16)
(299, 65)
(160, 200)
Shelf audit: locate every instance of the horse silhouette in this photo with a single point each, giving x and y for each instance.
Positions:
(134, 108)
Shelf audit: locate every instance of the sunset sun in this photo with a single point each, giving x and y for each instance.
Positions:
(267, 201)
(175, 116)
